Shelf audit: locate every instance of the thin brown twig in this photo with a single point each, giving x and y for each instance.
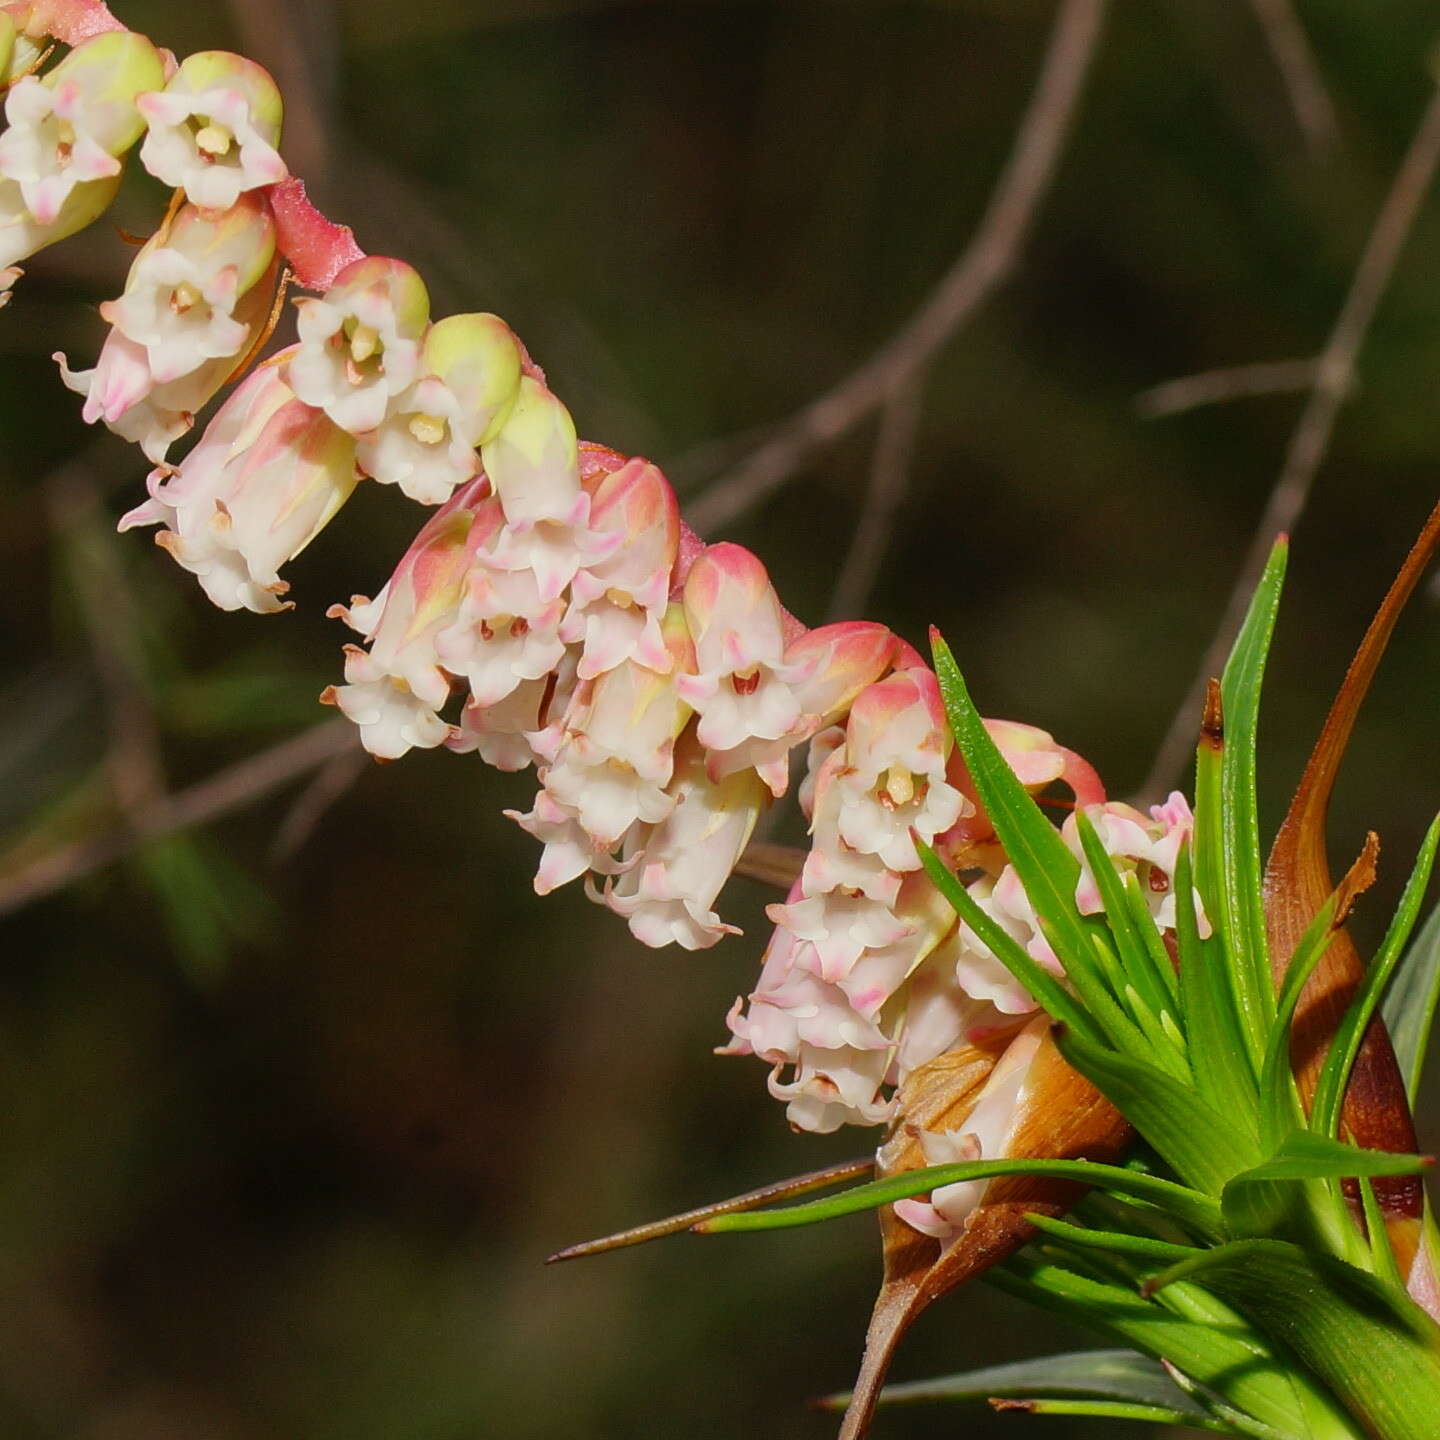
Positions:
(229, 789)
(1334, 380)
(889, 480)
(985, 263)
(335, 777)
(107, 609)
(1233, 382)
(1295, 59)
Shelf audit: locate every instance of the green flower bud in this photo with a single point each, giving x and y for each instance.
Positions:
(478, 357)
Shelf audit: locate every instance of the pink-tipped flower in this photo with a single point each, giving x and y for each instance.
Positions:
(617, 756)
(213, 129)
(834, 664)
(360, 344)
(469, 378)
(893, 783)
(191, 306)
(266, 478)
(503, 633)
(395, 690)
(676, 870)
(503, 734)
(617, 603)
(1148, 849)
(743, 689)
(71, 127)
(154, 416)
(570, 849)
(533, 463)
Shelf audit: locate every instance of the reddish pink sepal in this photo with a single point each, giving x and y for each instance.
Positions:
(317, 249)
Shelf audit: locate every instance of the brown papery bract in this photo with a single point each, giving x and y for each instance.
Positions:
(1062, 1116)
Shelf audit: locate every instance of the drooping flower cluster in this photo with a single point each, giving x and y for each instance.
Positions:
(554, 611)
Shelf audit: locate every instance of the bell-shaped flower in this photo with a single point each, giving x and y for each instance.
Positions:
(977, 969)
(896, 745)
(503, 633)
(1149, 849)
(833, 665)
(617, 603)
(22, 236)
(119, 390)
(571, 848)
(213, 129)
(503, 734)
(265, 479)
(469, 378)
(194, 299)
(181, 293)
(394, 691)
(743, 688)
(617, 756)
(360, 344)
(71, 126)
(533, 463)
(675, 870)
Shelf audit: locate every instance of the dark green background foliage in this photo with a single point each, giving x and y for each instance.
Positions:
(285, 1142)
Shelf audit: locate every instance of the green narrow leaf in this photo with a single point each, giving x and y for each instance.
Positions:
(1149, 933)
(1254, 1200)
(1382, 1255)
(1202, 1147)
(1189, 1206)
(1280, 1108)
(1340, 1058)
(1046, 989)
(1225, 1080)
(1240, 685)
(1043, 861)
(1138, 965)
(1107, 1374)
(1116, 1242)
(1220, 1350)
(1118, 1410)
(1368, 1341)
(1409, 1006)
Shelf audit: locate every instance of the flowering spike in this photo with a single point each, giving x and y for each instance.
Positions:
(214, 129)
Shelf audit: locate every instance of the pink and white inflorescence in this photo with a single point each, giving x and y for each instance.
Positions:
(553, 612)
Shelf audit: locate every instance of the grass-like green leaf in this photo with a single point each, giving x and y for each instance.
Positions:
(1197, 1211)
(1335, 1073)
(1254, 1200)
(1367, 1340)
(1115, 1242)
(1046, 868)
(1119, 1410)
(1225, 1079)
(1242, 895)
(1108, 1374)
(1134, 956)
(1203, 1147)
(1046, 989)
(1410, 1003)
(1196, 1332)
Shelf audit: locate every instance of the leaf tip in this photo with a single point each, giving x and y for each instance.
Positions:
(1212, 720)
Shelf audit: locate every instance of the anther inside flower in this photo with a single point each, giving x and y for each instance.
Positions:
(213, 129)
